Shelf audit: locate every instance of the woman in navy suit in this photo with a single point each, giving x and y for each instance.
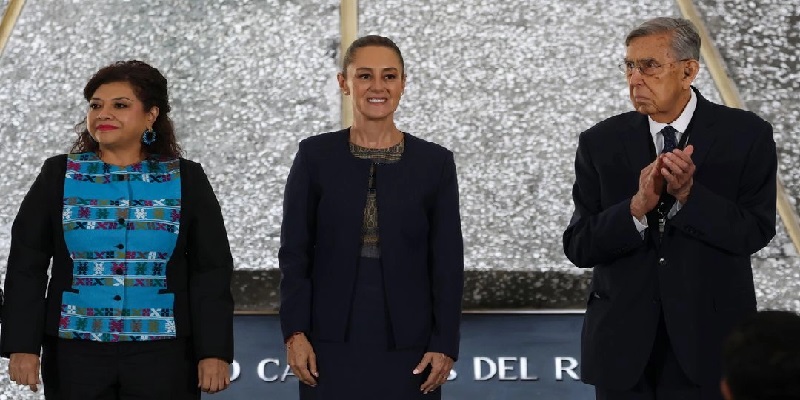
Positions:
(371, 251)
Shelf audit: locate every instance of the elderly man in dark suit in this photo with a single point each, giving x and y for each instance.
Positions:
(671, 200)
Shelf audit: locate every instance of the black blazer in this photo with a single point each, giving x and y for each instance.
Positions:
(420, 231)
(700, 273)
(198, 273)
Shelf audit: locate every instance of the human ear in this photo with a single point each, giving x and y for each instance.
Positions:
(343, 83)
(152, 115)
(690, 71)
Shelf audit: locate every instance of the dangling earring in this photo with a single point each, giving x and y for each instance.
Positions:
(149, 136)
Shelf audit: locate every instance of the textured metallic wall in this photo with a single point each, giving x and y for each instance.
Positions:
(507, 86)
(759, 43)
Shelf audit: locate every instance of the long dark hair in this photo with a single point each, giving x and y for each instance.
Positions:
(150, 86)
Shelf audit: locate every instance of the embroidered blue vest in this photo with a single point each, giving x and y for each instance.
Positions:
(120, 225)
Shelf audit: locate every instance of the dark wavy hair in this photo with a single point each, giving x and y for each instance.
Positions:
(150, 87)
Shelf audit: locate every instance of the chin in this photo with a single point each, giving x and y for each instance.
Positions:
(643, 109)
(377, 116)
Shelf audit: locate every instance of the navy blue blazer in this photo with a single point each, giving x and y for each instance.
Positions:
(421, 245)
(699, 274)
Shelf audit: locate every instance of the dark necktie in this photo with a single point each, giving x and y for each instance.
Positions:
(670, 141)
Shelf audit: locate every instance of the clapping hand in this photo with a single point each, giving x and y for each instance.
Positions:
(678, 171)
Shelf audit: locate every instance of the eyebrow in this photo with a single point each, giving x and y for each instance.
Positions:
(370, 69)
(116, 98)
(641, 59)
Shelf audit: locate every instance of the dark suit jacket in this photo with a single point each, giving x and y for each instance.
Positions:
(700, 273)
(420, 234)
(198, 273)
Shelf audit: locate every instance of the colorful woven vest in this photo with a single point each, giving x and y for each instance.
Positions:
(120, 226)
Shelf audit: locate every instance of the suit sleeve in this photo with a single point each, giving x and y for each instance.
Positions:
(29, 258)
(210, 270)
(447, 264)
(295, 256)
(744, 225)
(596, 235)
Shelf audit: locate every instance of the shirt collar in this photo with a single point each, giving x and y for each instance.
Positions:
(682, 122)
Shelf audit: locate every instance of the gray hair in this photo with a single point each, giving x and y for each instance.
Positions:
(685, 39)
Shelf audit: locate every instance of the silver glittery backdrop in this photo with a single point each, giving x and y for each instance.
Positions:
(509, 86)
(759, 43)
(506, 85)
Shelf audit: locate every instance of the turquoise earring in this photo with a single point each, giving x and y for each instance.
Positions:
(149, 136)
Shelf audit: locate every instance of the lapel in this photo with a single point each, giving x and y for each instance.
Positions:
(355, 171)
(701, 133)
(394, 180)
(635, 136)
(348, 179)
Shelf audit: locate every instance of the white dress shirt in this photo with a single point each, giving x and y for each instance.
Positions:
(680, 125)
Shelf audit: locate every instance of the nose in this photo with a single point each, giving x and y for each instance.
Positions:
(377, 84)
(103, 113)
(636, 77)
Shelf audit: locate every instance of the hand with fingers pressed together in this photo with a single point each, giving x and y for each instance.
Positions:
(678, 172)
(440, 365)
(651, 184)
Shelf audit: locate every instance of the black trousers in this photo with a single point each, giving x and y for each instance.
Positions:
(86, 370)
(663, 377)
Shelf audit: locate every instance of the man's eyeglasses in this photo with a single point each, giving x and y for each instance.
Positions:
(646, 67)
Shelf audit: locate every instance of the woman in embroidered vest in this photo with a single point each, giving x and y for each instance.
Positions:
(139, 302)
(371, 251)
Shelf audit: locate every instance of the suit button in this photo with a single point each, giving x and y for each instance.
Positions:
(662, 262)
(117, 297)
(120, 246)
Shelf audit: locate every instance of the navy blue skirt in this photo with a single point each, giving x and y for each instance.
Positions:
(367, 366)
